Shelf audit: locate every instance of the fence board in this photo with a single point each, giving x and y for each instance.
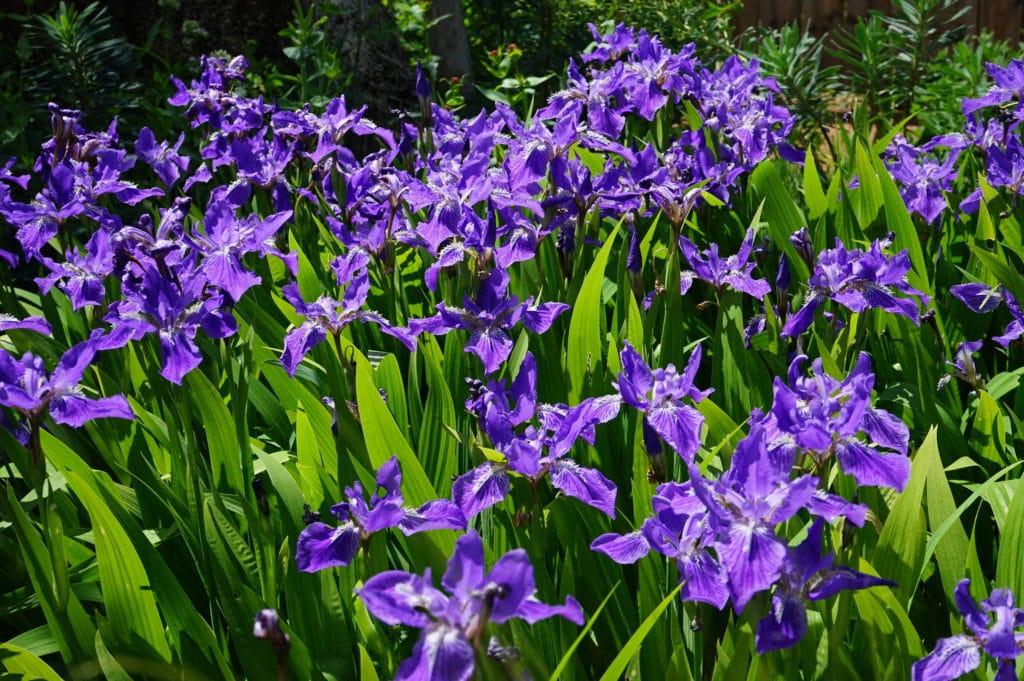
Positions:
(1004, 18)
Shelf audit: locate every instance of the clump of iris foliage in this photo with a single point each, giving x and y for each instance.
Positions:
(622, 387)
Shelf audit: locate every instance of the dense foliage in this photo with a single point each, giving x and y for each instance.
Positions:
(625, 386)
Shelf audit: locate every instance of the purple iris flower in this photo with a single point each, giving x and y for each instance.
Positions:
(489, 318)
(610, 46)
(659, 395)
(103, 176)
(593, 94)
(369, 202)
(734, 271)
(321, 546)
(539, 451)
(37, 324)
(209, 99)
(82, 277)
(28, 388)
(961, 654)
(805, 576)
(327, 316)
(680, 529)
(9, 177)
(653, 74)
(453, 623)
(922, 178)
(1004, 167)
(175, 310)
(163, 158)
(228, 238)
(722, 533)
(745, 505)
(492, 402)
(457, 186)
(39, 221)
(263, 163)
(981, 298)
(1009, 86)
(858, 280)
(476, 236)
(327, 130)
(821, 417)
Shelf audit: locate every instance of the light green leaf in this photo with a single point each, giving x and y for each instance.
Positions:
(219, 430)
(780, 212)
(384, 439)
(127, 592)
(901, 547)
(585, 358)
(868, 195)
(987, 435)
(71, 628)
(25, 665)
(367, 672)
(940, 532)
(438, 412)
(1010, 561)
(902, 225)
(814, 195)
(952, 550)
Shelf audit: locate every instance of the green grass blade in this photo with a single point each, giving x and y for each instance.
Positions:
(567, 658)
(632, 647)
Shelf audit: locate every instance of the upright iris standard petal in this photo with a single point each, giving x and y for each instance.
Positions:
(659, 395)
(465, 567)
(511, 578)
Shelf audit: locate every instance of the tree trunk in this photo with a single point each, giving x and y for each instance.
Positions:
(448, 41)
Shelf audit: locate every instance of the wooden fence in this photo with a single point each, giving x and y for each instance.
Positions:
(1005, 18)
